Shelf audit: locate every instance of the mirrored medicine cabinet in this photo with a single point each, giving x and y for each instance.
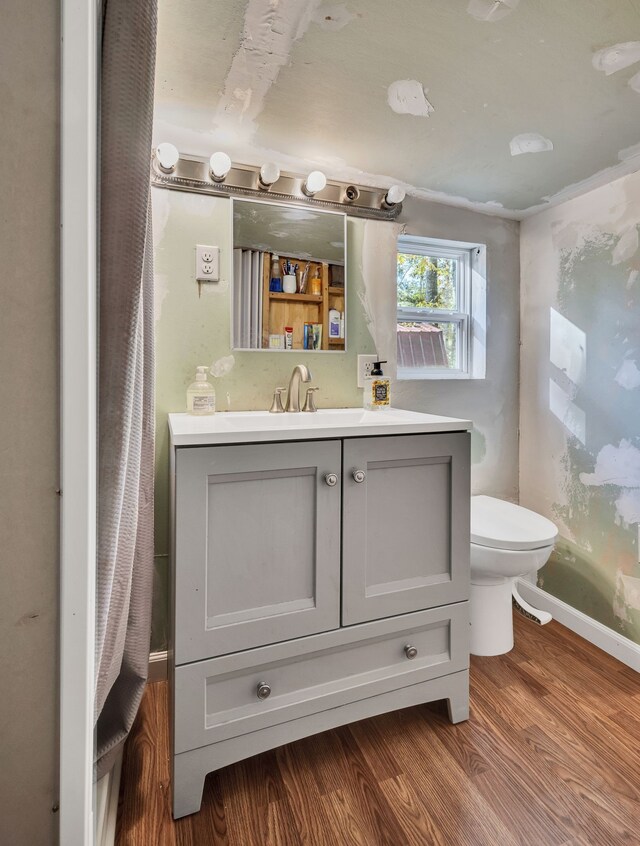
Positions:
(289, 280)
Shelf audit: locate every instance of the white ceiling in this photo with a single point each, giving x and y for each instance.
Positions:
(434, 95)
(289, 230)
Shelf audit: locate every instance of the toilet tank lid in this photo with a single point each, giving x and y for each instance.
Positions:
(503, 525)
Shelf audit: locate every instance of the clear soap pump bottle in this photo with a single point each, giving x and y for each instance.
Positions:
(201, 395)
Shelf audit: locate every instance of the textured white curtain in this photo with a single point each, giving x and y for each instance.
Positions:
(126, 372)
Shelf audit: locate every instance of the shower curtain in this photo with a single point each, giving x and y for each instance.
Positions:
(126, 373)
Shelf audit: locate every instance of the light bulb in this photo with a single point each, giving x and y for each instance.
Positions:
(394, 195)
(269, 173)
(315, 182)
(219, 166)
(167, 156)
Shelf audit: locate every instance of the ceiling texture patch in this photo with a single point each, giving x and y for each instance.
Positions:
(530, 142)
(333, 17)
(491, 10)
(270, 30)
(408, 97)
(616, 58)
(634, 83)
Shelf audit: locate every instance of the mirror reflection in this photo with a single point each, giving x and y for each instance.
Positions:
(288, 278)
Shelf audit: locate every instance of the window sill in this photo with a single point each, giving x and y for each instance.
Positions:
(423, 376)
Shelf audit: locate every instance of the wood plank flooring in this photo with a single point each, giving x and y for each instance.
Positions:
(550, 757)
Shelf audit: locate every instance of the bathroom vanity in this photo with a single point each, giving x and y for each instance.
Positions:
(320, 576)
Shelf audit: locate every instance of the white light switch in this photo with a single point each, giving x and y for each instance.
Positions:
(207, 263)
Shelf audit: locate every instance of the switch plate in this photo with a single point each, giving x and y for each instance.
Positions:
(365, 366)
(207, 263)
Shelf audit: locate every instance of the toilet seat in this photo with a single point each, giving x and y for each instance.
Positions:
(502, 525)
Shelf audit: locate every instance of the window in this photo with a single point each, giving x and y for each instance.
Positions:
(435, 319)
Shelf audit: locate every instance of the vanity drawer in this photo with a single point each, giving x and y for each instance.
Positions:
(219, 698)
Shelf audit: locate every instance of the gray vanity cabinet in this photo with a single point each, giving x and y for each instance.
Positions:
(405, 501)
(258, 545)
(315, 583)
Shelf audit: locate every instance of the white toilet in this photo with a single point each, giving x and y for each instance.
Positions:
(507, 541)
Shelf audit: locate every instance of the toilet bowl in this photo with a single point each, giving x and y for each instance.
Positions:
(507, 541)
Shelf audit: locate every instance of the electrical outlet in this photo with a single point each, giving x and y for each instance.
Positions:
(365, 366)
(207, 263)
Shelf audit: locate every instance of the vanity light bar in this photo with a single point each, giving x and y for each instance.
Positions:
(222, 178)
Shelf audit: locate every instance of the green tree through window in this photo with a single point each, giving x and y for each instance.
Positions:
(426, 282)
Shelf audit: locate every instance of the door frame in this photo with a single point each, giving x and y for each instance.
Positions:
(78, 419)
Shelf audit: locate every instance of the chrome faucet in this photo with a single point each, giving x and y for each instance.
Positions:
(300, 372)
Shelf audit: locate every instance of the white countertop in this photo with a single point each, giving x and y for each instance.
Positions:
(235, 427)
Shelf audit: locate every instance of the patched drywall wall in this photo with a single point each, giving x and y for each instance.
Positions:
(580, 389)
(491, 403)
(193, 327)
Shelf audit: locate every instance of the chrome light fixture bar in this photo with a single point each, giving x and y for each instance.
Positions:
(206, 176)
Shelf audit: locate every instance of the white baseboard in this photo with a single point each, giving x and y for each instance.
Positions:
(107, 792)
(157, 667)
(620, 647)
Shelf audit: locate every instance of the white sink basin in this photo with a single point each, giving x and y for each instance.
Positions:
(244, 426)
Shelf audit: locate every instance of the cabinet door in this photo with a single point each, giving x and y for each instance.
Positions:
(405, 524)
(257, 547)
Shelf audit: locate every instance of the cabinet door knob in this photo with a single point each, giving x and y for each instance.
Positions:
(410, 651)
(359, 476)
(331, 479)
(263, 691)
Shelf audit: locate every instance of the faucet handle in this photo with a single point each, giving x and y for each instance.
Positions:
(276, 405)
(309, 402)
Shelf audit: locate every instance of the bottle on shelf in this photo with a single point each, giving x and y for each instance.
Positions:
(275, 280)
(316, 283)
(334, 323)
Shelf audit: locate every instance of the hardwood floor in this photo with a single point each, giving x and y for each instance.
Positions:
(548, 758)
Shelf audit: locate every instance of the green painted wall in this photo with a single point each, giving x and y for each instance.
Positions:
(193, 327)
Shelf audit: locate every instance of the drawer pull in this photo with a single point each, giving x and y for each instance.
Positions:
(263, 691)
(410, 651)
(359, 476)
(331, 479)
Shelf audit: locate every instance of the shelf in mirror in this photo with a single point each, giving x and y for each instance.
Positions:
(296, 298)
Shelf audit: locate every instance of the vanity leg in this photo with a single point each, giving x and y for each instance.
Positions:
(458, 698)
(188, 785)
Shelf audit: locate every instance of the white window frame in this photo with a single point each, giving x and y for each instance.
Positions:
(78, 442)
(469, 315)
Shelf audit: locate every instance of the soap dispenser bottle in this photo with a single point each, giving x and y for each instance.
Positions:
(201, 395)
(377, 392)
